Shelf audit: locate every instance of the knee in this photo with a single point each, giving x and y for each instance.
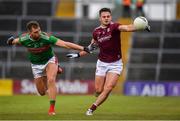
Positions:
(98, 90)
(41, 90)
(108, 89)
(51, 80)
(97, 94)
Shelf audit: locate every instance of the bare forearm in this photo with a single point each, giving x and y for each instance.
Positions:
(131, 28)
(69, 45)
(83, 53)
(127, 28)
(73, 46)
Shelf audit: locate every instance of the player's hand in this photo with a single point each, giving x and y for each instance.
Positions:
(73, 55)
(10, 40)
(90, 48)
(148, 28)
(87, 49)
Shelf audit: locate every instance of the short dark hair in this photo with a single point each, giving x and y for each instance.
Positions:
(32, 24)
(104, 10)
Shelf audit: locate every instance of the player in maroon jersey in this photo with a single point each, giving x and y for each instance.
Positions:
(109, 64)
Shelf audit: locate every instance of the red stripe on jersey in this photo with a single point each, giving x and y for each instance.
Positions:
(39, 50)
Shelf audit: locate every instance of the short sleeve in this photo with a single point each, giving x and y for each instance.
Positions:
(23, 38)
(94, 35)
(53, 39)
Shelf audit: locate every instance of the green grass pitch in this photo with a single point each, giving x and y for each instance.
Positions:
(73, 107)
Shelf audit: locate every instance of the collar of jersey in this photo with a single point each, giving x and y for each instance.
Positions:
(31, 38)
(103, 27)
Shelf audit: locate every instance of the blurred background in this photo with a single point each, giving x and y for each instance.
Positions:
(151, 60)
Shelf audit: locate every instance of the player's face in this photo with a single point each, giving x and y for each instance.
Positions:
(105, 18)
(35, 33)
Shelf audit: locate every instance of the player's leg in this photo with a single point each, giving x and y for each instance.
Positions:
(99, 84)
(112, 76)
(112, 72)
(101, 70)
(111, 80)
(39, 78)
(100, 77)
(110, 83)
(51, 72)
(41, 85)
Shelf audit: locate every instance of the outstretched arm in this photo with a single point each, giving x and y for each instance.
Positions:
(69, 45)
(127, 28)
(140, 23)
(91, 47)
(132, 28)
(73, 46)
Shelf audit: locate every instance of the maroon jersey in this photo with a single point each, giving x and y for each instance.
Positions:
(109, 42)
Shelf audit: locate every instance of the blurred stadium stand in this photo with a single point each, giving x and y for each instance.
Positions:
(156, 55)
(153, 56)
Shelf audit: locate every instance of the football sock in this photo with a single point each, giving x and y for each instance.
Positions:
(93, 107)
(52, 104)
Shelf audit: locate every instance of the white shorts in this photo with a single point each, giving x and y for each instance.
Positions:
(38, 70)
(102, 67)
